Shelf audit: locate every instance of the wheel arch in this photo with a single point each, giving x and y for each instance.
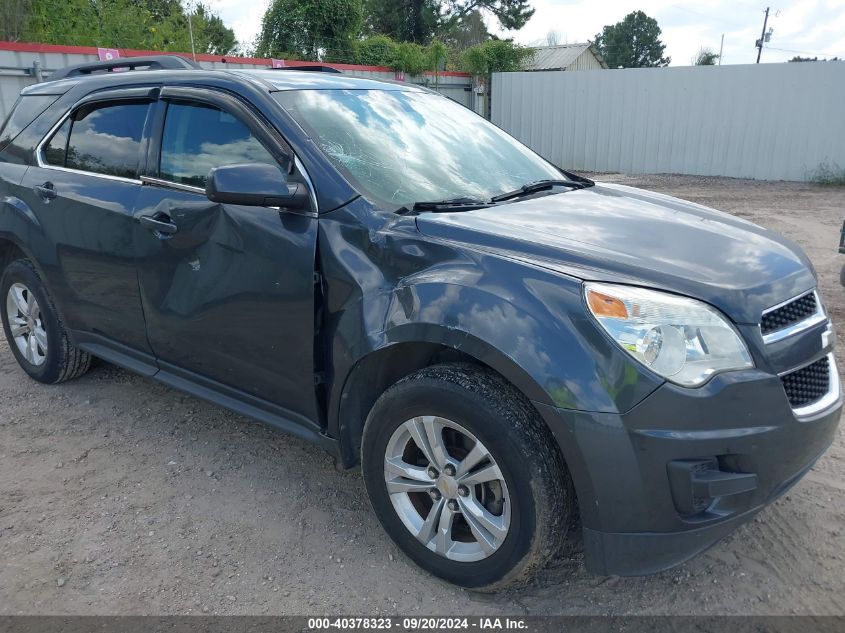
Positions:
(10, 251)
(402, 355)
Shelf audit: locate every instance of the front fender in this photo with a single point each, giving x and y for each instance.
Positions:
(528, 324)
(387, 286)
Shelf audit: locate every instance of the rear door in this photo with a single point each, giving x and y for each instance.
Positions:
(82, 191)
(227, 290)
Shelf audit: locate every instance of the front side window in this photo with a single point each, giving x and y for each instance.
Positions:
(198, 137)
(102, 139)
(401, 147)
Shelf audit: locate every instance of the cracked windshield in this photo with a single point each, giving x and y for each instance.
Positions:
(405, 147)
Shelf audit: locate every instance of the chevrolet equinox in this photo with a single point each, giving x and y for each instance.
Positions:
(499, 343)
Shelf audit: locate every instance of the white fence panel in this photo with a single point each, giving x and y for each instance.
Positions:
(766, 121)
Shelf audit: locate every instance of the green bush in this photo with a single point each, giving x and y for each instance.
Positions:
(411, 59)
(377, 50)
(495, 56)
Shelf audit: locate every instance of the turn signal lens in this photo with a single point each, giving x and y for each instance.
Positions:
(605, 305)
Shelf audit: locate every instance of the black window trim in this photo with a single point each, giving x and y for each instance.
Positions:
(123, 94)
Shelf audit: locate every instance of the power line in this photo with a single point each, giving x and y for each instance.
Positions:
(788, 50)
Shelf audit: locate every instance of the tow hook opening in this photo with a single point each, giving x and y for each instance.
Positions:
(697, 484)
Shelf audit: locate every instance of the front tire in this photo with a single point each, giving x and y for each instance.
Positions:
(465, 478)
(33, 329)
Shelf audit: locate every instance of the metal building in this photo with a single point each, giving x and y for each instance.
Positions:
(583, 56)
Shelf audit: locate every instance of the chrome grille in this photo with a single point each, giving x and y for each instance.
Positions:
(789, 314)
(808, 384)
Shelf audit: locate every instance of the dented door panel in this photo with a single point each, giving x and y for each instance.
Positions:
(229, 296)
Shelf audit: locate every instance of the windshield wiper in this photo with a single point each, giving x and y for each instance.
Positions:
(439, 206)
(537, 186)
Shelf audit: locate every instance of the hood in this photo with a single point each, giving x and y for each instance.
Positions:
(617, 233)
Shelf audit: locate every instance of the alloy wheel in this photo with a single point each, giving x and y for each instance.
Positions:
(26, 324)
(447, 489)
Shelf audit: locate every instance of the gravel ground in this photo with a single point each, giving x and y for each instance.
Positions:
(120, 496)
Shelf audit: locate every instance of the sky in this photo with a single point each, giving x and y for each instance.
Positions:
(800, 27)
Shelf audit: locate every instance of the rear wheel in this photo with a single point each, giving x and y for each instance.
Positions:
(33, 330)
(465, 478)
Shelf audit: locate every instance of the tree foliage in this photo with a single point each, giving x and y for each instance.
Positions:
(511, 14)
(495, 56)
(140, 24)
(376, 50)
(407, 57)
(421, 21)
(13, 18)
(798, 58)
(403, 20)
(311, 29)
(212, 36)
(632, 43)
(411, 59)
(705, 57)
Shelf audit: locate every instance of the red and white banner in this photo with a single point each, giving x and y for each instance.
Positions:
(107, 54)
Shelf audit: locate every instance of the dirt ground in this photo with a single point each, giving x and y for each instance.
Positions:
(120, 496)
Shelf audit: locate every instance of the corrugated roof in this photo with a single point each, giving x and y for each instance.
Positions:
(560, 57)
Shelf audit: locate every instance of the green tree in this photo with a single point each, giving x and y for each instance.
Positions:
(495, 56)
(13, 18)
(211, 35)
(411, 59)
(311, 29)
(403, 20)
(421, 20)
(632, 43)
(160, 25)
(376, 50)
(511, 14)
(705, 57)
(467, 31)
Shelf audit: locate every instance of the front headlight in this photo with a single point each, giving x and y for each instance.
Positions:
(684, 340)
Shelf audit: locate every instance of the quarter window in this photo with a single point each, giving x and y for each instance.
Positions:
(54, 151)
(100, 138)
(26, 110)
(198, 137)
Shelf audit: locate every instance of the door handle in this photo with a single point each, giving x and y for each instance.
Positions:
(47, 191)
(159, 223)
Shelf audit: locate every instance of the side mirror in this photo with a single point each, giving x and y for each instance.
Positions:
(255, 185)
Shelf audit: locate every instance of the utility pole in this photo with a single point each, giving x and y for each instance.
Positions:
(191, 31)
(762, 36)
(721, 48)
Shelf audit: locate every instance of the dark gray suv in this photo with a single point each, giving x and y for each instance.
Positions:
(367, 265)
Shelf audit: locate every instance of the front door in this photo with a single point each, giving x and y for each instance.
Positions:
(227, 291)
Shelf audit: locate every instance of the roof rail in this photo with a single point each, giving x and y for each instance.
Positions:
(314, 68)
(154, 62)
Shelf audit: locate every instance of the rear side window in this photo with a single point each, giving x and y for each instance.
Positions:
(198, 137)
(100, 138)
(25, 111)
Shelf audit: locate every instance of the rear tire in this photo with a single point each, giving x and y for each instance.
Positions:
(39, 342)
(526, 504)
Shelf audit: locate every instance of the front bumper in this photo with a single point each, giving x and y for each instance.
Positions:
(624, 466)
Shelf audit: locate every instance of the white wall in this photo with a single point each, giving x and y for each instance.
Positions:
(766, 121)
